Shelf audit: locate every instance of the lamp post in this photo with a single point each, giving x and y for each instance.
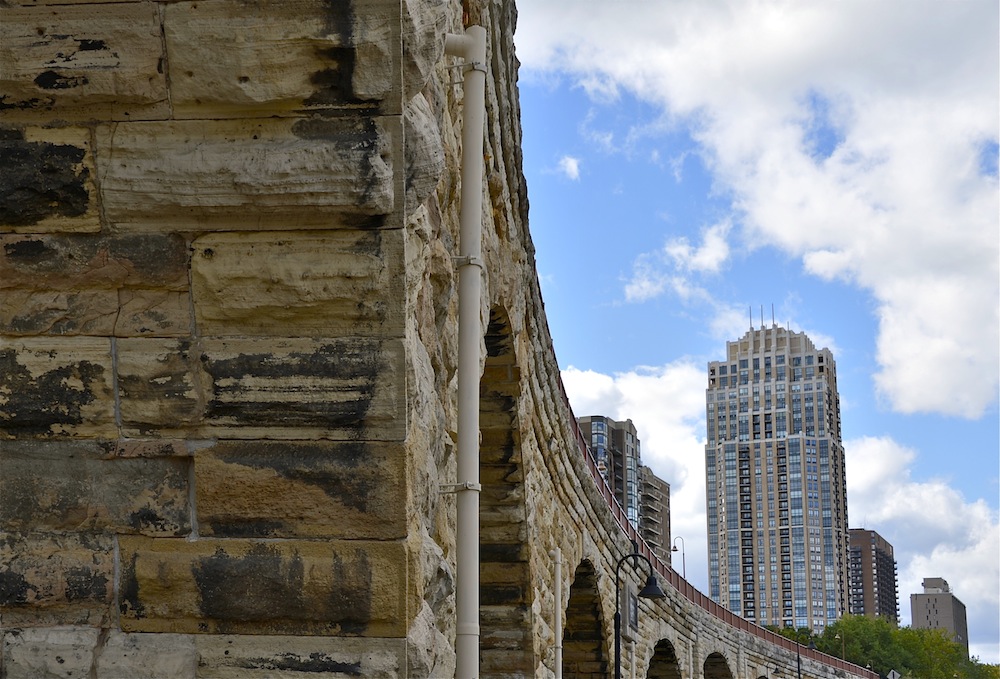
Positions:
(843, 645)
(684, 570)
(650, 591)
(798, 656)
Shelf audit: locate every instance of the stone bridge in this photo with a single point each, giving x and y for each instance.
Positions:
(228, 352)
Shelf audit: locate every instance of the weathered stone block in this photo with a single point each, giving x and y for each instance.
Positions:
(104, 313)
(49, 653)
(349, 588)
(49, 579)
(286, 657)
(301, 489)
(98, 261)
(298, 285)
(47, 180)
(155, 313)
(147, 656)
(82, 491)
(282, 55)
(262, 174)
(343, 388)
(56, 386)
(30, 312)
(101, 61)
(161, 385)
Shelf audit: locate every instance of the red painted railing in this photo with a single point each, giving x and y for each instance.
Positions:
(693, 595)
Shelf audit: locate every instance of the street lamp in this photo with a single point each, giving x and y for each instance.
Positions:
(650, 591)
(843, 645)
(798, 656)
(684, 570)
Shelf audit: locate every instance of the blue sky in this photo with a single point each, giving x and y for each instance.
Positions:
(691, 163)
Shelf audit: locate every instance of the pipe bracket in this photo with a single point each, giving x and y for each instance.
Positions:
(468, 260)
(474, 66)
(457, 487)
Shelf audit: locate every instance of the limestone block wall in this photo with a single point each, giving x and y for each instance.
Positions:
(228, 325)
(209, 397)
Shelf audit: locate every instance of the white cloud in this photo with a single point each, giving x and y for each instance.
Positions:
(570, 167)
(935, 531)
(849, 134)
(707, 257)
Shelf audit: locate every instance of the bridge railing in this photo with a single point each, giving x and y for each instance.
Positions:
(686, 589)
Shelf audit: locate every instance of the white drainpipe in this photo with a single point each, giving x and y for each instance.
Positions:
(472, 48)
(556, 555)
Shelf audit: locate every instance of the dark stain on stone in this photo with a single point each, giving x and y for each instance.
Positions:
(27, 250)
(334, 84)
(316, 662)
(259, 586)
(130, 605)
(83, 583)
(500, 594)
(13, 588)
(246, 528)
(146, 518)
(338, 477)
(357, 362)
(39, 180)
(35, 404)
(501, 552)
(126, 259)
(34, 102)
(53, 80)
(89, 45)
(360, 134)
(350, 602)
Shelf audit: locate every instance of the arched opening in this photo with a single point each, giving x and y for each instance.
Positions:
(506, 642)
(716, 667)
(583, 638)
(664, 664)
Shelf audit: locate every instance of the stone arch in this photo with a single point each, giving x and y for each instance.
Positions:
(664, 663)
(506, 640)
(584, 654)
(716, 667)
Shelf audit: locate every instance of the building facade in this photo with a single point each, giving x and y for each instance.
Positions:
(615, 447)
(873, 590)
(776, 497)
(938, 608)
(654, 512)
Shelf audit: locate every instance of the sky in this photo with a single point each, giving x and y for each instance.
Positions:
(696, 168)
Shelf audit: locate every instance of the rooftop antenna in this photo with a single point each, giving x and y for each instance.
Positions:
(762, 316)
(750, 313)
(772, 314)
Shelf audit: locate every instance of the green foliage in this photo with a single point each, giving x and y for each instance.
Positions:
(916, 653)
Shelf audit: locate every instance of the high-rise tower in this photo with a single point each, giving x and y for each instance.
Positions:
(615, 447)
(776, 498)
(938, 608)
(873, 576)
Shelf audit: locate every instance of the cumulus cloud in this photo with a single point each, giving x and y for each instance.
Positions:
(671, 267)
(850, 135)
(570, 167)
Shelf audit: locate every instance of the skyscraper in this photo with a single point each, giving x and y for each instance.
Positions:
(654, 513)
(938, 608)
(615, 447)
(873, 576)
(776, 497)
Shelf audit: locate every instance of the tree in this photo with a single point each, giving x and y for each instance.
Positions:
(917, 653)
